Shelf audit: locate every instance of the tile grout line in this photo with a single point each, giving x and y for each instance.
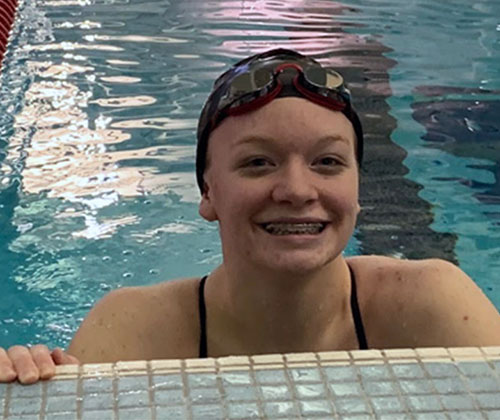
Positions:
(430, 379)
(395, 379)
(465, 381)
(114, 385)
(496, 373)
(260, 394)
(329, 394)
(222, 391)
(43, 405)
(490, 361)
(8, 393)
(260, 403)
(79, 394)
(359, 379)
(151, 391)
(291, 384)
(186, 391)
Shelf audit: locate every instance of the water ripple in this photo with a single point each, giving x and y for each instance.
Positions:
(100, 101)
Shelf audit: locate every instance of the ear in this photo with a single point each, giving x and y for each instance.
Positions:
(206, 208)
(358, 208)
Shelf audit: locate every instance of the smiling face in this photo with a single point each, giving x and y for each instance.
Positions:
(282, 182)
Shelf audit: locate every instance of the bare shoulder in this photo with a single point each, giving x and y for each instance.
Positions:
(428, 302)
(146, 322)
(384, 273)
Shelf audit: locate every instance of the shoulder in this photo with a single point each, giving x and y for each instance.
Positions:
(428, 302)
(385, 277)
(150, 304)
(158, 321)
(157, 296)
(384, 273)
(383, 262)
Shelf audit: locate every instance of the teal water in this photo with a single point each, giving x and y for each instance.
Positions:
(453, 45)
(99, 105)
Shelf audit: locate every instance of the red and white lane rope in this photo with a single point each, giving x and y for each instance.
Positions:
(7, 14)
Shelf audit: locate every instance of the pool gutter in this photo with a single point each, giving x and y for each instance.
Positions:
(428, 383)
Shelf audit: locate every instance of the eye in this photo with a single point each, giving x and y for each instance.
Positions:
(329, 164)
(327, 161)
(257, 162)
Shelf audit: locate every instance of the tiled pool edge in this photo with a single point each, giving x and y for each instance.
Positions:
(428, 383)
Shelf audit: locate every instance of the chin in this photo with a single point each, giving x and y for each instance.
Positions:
(298, 265)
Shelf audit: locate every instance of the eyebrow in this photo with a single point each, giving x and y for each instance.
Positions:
(329, 138)
(333, 138)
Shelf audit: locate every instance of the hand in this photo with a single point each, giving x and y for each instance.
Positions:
(29, 365)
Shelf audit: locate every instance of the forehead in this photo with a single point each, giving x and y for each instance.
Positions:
(287, 119)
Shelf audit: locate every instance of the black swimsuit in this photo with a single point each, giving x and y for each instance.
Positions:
(356, 315)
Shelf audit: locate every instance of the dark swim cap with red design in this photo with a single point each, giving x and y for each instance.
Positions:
(257, 80)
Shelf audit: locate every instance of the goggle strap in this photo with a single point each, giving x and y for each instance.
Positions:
(257, 103)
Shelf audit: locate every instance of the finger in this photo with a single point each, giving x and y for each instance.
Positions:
(7, 372)
(27, 372)
(43, 360)
(60, 357)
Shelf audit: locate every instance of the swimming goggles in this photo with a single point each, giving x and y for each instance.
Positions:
(257, 80)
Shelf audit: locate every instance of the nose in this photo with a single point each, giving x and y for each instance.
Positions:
(295, 184)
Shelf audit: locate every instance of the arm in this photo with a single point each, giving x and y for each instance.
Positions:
(109, 332)
(133, 323)
(447, 308)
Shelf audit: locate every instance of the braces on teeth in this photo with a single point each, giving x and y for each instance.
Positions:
(293, 228)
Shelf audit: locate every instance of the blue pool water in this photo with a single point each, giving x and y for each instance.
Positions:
(99, 102)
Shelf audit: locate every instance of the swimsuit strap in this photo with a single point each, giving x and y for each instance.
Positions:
(356, 313)
(203, 318)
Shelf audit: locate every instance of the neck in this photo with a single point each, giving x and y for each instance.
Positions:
(267, 312)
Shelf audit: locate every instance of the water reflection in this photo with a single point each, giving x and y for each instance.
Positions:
(164, 123)
(70, 160)
(121, 79)
(71, 46)
(59, 3)
(246, 27)
(86, 141)
(103, 229)
(135, 38)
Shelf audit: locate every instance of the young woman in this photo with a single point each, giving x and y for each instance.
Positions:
(279, 148)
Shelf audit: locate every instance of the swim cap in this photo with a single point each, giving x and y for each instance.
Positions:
(250, 81)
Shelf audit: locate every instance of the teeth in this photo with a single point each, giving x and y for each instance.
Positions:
(294, 228)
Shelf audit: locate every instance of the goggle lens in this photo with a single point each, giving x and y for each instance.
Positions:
(322, 78)
(251, 82)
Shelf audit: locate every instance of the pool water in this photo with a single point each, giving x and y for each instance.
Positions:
(97, 138)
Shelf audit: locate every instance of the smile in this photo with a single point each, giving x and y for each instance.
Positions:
(294, 228)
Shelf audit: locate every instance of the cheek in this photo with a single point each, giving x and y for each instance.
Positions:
(350, 206)
(230, 198)
(346, 200)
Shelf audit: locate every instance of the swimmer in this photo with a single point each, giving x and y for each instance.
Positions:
(278, 157)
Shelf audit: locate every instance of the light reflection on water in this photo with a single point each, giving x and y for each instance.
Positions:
(103, 149)
(97, 183)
